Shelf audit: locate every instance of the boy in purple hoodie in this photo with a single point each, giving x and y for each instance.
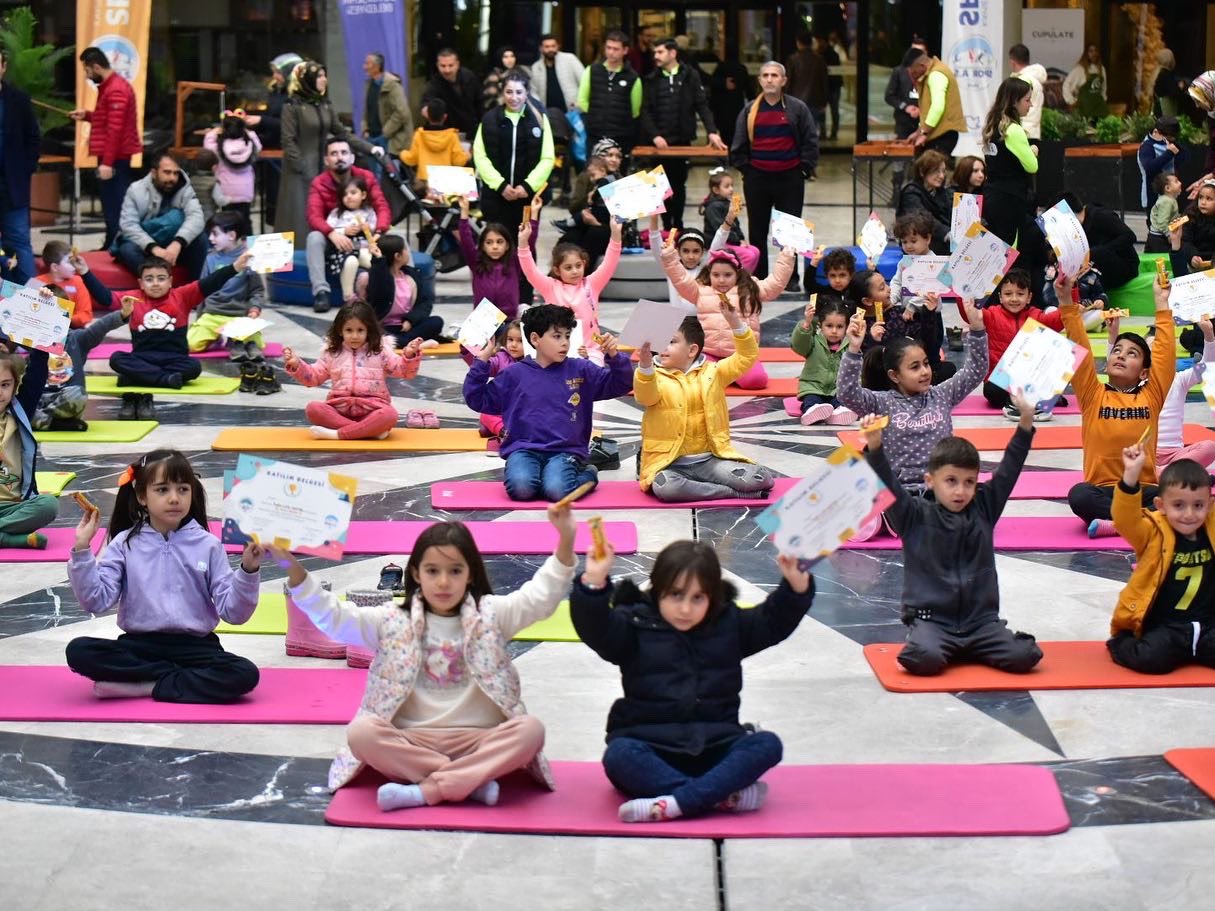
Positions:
(547, 403)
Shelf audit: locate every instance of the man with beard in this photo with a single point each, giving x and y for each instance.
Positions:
(161, 216)
(114, 135)
(324, 194)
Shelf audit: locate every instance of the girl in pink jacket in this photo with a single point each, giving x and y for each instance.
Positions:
(567, 285)
(724, 276)
(357, 361)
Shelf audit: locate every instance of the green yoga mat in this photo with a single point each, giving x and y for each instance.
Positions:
(99, 432)
(270, 619)
(53, 482)
(204, 385)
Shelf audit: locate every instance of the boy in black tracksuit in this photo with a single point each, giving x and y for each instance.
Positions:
(951, 596)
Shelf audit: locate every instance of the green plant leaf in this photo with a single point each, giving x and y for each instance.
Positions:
(32, 65)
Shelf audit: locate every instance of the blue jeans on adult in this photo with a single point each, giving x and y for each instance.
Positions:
(191, 258)
(111, 192)
(698, 783)
(15, 235)
(532, 475)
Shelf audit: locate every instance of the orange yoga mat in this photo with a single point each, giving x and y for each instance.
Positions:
(1198, 765)
(780, 356)
(444, 349)
(994, 439)
(1064, 666)
(297, 439)
(782, 386)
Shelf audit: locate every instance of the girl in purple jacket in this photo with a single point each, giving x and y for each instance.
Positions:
(491, 259)
(511, 352)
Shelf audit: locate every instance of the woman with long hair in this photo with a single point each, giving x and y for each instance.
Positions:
(1008, 192)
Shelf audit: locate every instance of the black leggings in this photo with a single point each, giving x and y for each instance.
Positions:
(1088, 501)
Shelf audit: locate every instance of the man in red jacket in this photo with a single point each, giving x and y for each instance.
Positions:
(324, 194)
(114, 136)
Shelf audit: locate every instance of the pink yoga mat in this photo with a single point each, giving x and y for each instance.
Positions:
(977, 405)
(284, 695)
(829, 801)
(608, 495)
(103, 351)
(491, 537)
(59, 543)
(1024, 533)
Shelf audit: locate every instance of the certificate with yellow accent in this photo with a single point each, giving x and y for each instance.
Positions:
(304, 510)
(825, 508)
(978, 264)
(34, 317)
(271, 252)
(1192, 297)
(1038, 361)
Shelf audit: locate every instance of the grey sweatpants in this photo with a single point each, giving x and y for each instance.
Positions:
(314, 252)
(930, 647)
(709, 479)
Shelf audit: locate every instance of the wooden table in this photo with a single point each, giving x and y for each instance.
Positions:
(866, 155)
(679, 152)
(1080, 156)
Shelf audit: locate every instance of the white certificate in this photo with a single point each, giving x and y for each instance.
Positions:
(659, 173)
(243, 327)
(1038, 361)
(451, 181)
(272, 252)
(1066, 236)
(1192, 297)
(967, 209)
(790, 231)
(304, 510)
(922, 274)
(872, 239)
(825, 508)
(655, 323)
(480, 326)
(979, 263)
(633, 197)
(34, 317)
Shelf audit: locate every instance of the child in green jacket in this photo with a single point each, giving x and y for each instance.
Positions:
(821, 343)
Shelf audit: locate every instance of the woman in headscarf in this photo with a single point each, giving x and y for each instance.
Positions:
(269, 123)
(1202, 91)
(1168, 92)
(503, 61)
(308, 120)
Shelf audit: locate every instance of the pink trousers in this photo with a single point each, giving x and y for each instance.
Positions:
(447, 763)
(380, 419)
(1202, 452)
(755, 378)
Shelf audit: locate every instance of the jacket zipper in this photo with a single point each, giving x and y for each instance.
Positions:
(514, 138)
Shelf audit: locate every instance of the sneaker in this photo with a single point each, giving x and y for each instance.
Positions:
(1012, 413)
(174, 380)
(842, 415)
(430, 420)
(1102, 528)
(74, 425)
(267, 383)
(127, 412)
(143, 408)
(816, 414)
(392, 577)
(414, 419)
(1041, 414)
(954, 334)
(320, 302)
(249, 374)
(794, 286)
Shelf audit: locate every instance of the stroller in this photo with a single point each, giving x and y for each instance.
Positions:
(436, 234)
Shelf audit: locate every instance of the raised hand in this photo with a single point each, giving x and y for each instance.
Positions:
(616, 229)
(790, 568)
(609, 344)
(251, 560)
(597, 569)
(645, 356)
(290, 361)
(490, 349)
(242, 261)
(932, 300)
(878, 331)
(871, 429)
(974, 316)
(464, 207)
(808, 315)
(1133, 458)
(856, 332)
(296, 574)
(525, 232)
(86, 528)
(1024, 407)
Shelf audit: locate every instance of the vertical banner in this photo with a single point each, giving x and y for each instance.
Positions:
(972, 45)
(120, 29)
(372, 27)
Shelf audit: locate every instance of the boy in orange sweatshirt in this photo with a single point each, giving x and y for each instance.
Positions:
(434, 143)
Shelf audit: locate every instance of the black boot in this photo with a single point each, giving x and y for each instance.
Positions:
(143, 408)
(249, 374)
(320, 302)
(128, 410)
(392, 577)
(267, 383)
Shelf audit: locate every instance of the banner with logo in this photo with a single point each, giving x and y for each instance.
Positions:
(972, 45)
(1055, 37)
(120, 29)
(372, 27)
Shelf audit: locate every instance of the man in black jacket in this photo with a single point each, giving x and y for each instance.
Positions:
(808, 78)
(1111, 243)
(460, 90)
(18, 161)
(610, 96)
(672, 98)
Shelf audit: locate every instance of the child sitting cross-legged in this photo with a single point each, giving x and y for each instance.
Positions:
(1165, 616)
(839, 265)
(547, 403)
(819, 338)
(951, 596)
(685, 431)
(675, 742)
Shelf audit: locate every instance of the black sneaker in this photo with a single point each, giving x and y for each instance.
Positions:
(173, 381)
(249, 374)
(128, 410)
(143, 408)
(794, 286)
(266, 383)
(392, 577)
(320, 302)
(73, 425)
(954, 334)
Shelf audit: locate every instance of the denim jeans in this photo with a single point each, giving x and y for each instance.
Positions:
(111, 192)
(532, 475)
(15, 231)
(697, 782)
(191, 258)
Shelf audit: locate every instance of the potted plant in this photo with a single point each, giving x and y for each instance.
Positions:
(31, 68)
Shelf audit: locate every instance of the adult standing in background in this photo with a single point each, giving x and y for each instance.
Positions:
(1085, 86)
(1035, 74)
(113, 135)
(1011, 163)
(901, 94)
(269, 125)
(941, 114)
(673, 98)
(460, 90)
(309, 121)
(556, 76)
(1202, 92)
(808, 79)
(19, 141)
(387, 120)
(835, 83)
(1168, 92)
(503, 61)
(776, 149)
(610, 96)
(729, 88)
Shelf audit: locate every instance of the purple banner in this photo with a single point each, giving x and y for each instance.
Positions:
(372, 27)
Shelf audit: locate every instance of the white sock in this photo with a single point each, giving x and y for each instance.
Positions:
(749, 798)
(380, 436)
(323, 433)
(650, 809)
(393, 796)
(113, 689)
(486, 793)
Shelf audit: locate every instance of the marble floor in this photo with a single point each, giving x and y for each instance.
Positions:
(201, 816)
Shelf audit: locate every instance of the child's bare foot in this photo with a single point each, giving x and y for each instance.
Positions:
(430, 343)
(323, 433)
(383, 436)
(113, 689)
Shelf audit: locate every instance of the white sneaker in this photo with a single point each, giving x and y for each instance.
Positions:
(1042, 415)
(842, 415)
(816, 414)
(1012, 413)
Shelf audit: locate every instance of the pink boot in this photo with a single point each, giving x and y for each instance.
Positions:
(358, 657)
(304, 640)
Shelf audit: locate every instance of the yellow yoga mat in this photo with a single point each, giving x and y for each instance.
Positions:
(53, 482)
(445, 349)
(99, 432)
(204, 385)
(297, 439)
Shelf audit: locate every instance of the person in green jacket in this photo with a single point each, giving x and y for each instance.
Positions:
(821, 343)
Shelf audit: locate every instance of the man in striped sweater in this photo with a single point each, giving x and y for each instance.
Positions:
(776, 149)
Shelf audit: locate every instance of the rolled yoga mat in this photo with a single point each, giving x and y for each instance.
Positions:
(1064, 666)
(58, 548)
(103, 351)
(491, 537)
(284, 695)
(1041, 533)
(827, 801)
(991, 439)
(297, 439)
(100, 432)
(1196, 764)
(207, 384)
